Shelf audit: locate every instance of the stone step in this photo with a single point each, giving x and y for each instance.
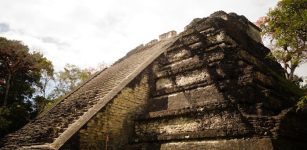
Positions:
(207, 53)
(197, 95)
(210, 121)
(205, 134)
(202, 108)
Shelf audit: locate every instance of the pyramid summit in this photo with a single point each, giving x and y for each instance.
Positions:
(211, 86)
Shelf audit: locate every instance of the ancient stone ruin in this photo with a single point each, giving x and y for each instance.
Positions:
(210, 87)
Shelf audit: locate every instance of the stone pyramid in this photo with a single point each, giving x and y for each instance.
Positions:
(212, 86)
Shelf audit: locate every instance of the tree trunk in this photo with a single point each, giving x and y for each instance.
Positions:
(291, 74)
(7, 88)
(286, 66)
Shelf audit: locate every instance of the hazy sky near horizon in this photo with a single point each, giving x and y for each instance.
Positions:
(89, 32)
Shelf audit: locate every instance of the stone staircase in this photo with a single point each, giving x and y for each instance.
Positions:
(50, 129)
(210, 87)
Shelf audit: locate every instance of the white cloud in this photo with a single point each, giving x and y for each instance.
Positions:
(88, 32)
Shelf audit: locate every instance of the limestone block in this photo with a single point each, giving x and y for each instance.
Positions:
(167, 35)
(164, 83)
(192, 77)
(254, 32)
(177, 55)
(232, 144)
(203, 122)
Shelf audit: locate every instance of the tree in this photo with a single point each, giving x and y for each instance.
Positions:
(68, 79)
(42, 95)
(20, 73)
(285, 26)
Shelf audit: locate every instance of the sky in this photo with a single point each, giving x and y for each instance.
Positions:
(92, 32)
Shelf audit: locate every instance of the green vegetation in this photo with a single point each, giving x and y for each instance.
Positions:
(29, 85)
(68, 79)
(20, 74)
(285, 26)
(302, 104)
